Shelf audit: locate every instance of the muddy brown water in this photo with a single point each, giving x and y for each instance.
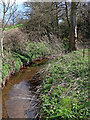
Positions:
(18, 100)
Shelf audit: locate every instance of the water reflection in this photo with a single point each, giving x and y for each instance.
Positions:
(19, 96)
(18, 103)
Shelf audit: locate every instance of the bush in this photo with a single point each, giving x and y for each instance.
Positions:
(10, 65)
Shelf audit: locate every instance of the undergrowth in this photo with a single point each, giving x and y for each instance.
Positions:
(20, 55)
(64, 93)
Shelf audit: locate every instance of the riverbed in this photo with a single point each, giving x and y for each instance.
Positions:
(19, 99)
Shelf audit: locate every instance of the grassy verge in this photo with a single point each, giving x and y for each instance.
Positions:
(17, 56)
(16, 26)
(64, 92)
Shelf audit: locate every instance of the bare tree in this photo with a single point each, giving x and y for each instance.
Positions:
(15, 14)
(7, 9)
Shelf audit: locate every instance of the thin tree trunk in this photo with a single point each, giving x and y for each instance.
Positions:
(57, 28)
(13, 18)
(1, 42)
(2, 37)
(67, 15)
(3, 27)
(83, 52)
(73, 28)
(0, 58)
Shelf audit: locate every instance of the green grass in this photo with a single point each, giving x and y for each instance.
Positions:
(64, 92)
(16, 26)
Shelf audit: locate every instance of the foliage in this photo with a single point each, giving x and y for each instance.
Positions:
(10, 65)
(18, 56)
(37, 49)
(31, 50)
(64, 92)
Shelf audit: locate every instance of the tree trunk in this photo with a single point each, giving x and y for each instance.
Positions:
(66, 8)
(57, 27)
(13, 19)
(73, 28)
(1, 41)
(0, 58)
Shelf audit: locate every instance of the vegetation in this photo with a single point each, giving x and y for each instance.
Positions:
(16, 26)
(19, 56)
(43, 29)
(64, 93)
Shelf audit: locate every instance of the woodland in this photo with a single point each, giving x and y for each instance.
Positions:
(58, 32)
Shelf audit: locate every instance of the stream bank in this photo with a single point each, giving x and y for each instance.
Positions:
(20, 95)
(21, 66)
(28, 78)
